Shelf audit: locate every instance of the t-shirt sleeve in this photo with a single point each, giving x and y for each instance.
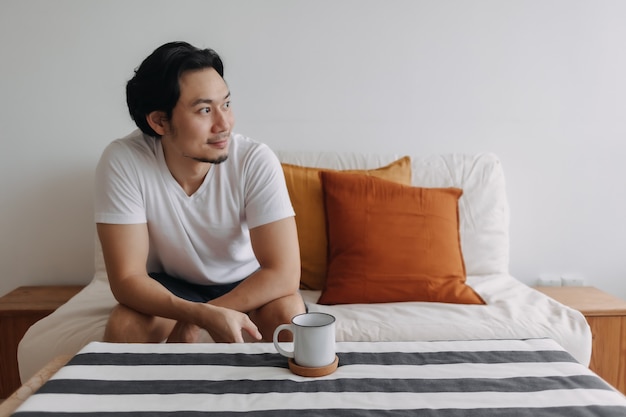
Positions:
(118, 198)
(266, 196)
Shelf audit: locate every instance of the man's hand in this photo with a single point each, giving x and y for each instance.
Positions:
(223, 324)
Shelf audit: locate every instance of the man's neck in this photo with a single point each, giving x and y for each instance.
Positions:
(187, 172)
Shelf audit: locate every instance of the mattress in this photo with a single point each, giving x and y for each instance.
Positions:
(513, 311)
(533, 377)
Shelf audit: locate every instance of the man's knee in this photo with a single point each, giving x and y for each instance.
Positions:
(277, 312)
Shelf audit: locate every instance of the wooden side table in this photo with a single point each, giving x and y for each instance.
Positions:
(606, 316)
(19, 310)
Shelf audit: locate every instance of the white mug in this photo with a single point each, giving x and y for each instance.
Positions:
(313, 339)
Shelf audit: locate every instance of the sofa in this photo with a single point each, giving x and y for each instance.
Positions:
(396, 247)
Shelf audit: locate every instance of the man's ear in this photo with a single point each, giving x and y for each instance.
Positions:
(157, 121)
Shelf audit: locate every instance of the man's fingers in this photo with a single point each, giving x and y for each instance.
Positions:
(238, 337)
(252, 330)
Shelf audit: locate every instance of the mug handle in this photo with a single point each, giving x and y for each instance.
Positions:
(288, 327)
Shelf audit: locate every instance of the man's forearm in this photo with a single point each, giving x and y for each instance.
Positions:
(259, 289)
(147, 296)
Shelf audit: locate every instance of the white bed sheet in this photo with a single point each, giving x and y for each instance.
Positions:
(513, 310)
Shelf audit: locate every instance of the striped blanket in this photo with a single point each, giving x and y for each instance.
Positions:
(533, 377)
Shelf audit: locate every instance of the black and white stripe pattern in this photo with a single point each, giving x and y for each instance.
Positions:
(458, 378)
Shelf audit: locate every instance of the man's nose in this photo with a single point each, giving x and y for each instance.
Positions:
(221, 122)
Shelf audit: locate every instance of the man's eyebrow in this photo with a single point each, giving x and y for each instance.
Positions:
(208, 100)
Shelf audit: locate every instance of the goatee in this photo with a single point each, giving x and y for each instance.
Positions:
(214, 161)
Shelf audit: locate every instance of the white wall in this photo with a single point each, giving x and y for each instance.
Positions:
(542, 83)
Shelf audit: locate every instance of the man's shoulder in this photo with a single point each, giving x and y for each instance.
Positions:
(135, 143)
(245, 143)
(246, 148)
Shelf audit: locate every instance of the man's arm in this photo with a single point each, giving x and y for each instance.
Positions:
(277, 251)
(125, 249)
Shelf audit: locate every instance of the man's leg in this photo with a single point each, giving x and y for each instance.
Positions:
(126, 325)
(277, 312)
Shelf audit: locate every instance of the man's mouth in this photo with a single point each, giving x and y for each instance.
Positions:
(220, 142)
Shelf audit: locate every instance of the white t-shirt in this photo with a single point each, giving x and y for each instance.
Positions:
(203, 238)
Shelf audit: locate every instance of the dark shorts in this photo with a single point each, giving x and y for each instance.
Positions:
(192, 292)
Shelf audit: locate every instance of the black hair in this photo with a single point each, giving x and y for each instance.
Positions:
(155, 85)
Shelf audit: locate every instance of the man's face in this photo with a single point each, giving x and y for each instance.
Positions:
(202, 120)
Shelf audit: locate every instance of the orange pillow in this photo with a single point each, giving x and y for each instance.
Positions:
(392, 243)
(305, 190)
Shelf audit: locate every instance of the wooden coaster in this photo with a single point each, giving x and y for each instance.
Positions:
(313, 372)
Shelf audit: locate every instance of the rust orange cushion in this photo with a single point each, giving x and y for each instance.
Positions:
(305, 190)
(392, 243)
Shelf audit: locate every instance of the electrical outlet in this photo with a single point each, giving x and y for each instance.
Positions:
(572, 280)
(549, 280)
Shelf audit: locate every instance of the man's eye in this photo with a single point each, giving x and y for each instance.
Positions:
(205, 110)
(227, 105)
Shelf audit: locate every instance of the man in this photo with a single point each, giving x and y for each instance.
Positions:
(195, 222)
